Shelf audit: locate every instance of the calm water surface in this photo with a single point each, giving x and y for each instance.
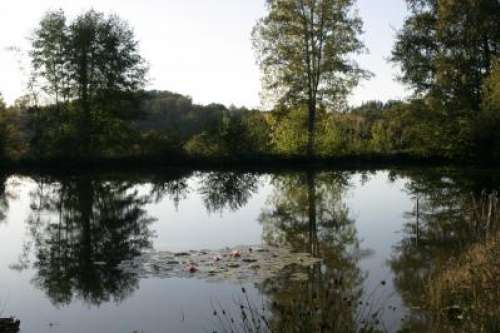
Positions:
(379, 235)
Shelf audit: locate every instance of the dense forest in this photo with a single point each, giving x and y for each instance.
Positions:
(86, 98)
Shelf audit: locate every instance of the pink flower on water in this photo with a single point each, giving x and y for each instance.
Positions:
(190, 269)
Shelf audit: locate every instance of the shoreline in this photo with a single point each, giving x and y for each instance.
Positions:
(257, 164)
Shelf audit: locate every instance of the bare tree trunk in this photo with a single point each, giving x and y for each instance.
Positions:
(85, 201)
(313, 228)
(311, 130)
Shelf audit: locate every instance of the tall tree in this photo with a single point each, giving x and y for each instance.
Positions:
(304, 50)
(49, 55)
(447, 48)
(92, 62)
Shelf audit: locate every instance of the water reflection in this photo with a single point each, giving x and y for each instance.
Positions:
(172, 185)
(308, 212)
(6, 194)
(82, 228)
(4, 203)
(441, 226)
(227, 190)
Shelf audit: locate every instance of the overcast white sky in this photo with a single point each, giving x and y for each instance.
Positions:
(200, 48)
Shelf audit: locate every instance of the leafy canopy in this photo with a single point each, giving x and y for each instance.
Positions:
(304, 48)
(447, 48)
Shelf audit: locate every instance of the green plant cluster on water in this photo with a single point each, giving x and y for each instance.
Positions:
(86, 98)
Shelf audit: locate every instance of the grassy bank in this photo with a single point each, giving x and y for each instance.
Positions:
(464, 295)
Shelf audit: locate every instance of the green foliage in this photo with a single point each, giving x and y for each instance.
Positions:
(289, 136)
(446, 47)
(49, 55)
(238, 133)
(304, 50)
(92, 70)
(10, 136)
(91, 74)
(492, 89)
(257, 134)
(381, 140)
(488, 122)
(332, 136)
(446, 50)
(205, 146)
(342, 134)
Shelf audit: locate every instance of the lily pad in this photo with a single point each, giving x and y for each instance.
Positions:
(252, 264)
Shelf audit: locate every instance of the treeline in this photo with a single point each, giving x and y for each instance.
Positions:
(170, 125)
(86, 98)
(159, 124)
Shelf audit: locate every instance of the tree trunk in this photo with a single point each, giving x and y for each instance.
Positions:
(313, 228)
(85, 118)
(487, 54)
(311, 130)
(87, 131)
(85, 201)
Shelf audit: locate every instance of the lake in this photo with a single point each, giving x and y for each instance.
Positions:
(378, 235)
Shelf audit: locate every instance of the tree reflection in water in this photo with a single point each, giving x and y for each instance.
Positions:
(439, 227)
(6, 194)
(227, 190)
(173, 185)
(308, 213)
(4, 202)
(83, 227)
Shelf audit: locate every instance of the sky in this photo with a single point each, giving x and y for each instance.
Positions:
(200, 48)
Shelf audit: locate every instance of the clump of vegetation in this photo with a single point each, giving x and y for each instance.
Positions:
(465, 293)
(10, 136)
(321, 313)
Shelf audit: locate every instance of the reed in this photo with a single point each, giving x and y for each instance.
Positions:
(347, 316)
(464, 295)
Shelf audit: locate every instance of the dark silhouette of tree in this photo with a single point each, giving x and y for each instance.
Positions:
(92, 69)
(173, 184)
(227, 190)
(448, 48)
(4, 197)
(82, 229)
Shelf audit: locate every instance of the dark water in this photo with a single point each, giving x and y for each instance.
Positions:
(379, 235)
